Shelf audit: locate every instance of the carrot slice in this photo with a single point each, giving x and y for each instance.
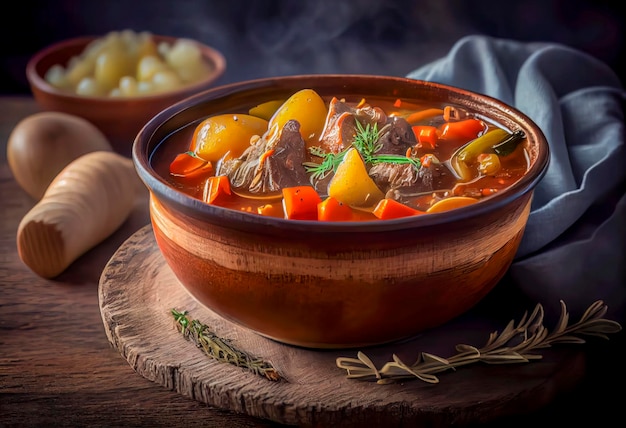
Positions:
(216, 187)
(300, 202)
(418, 116)
(426, 135)
(465, 130)
(390, 208)
(188, 165)
(330, 209)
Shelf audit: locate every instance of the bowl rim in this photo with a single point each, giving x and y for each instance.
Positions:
(36, 80)
(141, 157)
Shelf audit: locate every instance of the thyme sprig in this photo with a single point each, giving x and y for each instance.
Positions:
(221, 349)
(516, 344)
(367, 142)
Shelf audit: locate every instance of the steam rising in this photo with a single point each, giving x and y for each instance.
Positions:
(262, 38)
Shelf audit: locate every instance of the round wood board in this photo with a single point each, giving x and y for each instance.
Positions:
(138, 290)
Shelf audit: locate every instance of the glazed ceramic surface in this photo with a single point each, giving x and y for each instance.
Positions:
(344, 284)
(120, 119)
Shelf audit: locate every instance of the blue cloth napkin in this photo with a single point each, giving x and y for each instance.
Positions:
(574, 246)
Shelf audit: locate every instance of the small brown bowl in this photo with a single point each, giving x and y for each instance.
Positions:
(120, 119)
(335, 284)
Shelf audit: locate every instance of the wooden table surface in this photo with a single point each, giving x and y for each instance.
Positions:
(57, 367)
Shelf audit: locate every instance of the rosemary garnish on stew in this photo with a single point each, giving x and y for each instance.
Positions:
(221, 349)
(367, 142)
(330, 162)
(516, 344)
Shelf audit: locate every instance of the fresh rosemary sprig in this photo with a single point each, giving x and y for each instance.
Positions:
(515, 344)
(367, 142)
(330, 162)
(221, 349)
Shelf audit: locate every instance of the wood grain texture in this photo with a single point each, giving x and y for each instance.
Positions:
(138, 290)
(57, 367)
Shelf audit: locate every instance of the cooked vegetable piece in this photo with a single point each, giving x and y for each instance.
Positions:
(330, 209)
(468, 153)
(426, 135)
(300, 202)
(216, 187)
(352, 185)
(190, 166)
(266, 110)
(389, 208)
(306, 107)
(111, 65)
(362, 215)
(422, 115)
(482, 144)
(463, 129)
(509, 144)
(461, 169)
(488, 163)
(451, 203)
(224, 134)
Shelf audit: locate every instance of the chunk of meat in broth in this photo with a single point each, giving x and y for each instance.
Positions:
(395, 137)
(403, 182)
(270, 164)
(340, 129)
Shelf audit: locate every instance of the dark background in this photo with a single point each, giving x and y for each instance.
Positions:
(272, 37)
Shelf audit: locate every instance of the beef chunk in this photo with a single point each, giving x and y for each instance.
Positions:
(283, 168)
(411, 180)
(396, 133)
(340, 127)
(397, 137)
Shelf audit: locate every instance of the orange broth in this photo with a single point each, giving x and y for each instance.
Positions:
(512, 166)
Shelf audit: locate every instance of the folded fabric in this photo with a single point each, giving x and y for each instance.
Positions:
(574, 246)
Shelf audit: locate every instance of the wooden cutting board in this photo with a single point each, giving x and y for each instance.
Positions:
(137, 291)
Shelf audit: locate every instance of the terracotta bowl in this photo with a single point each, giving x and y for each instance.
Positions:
(120, 119)
(335, 285)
